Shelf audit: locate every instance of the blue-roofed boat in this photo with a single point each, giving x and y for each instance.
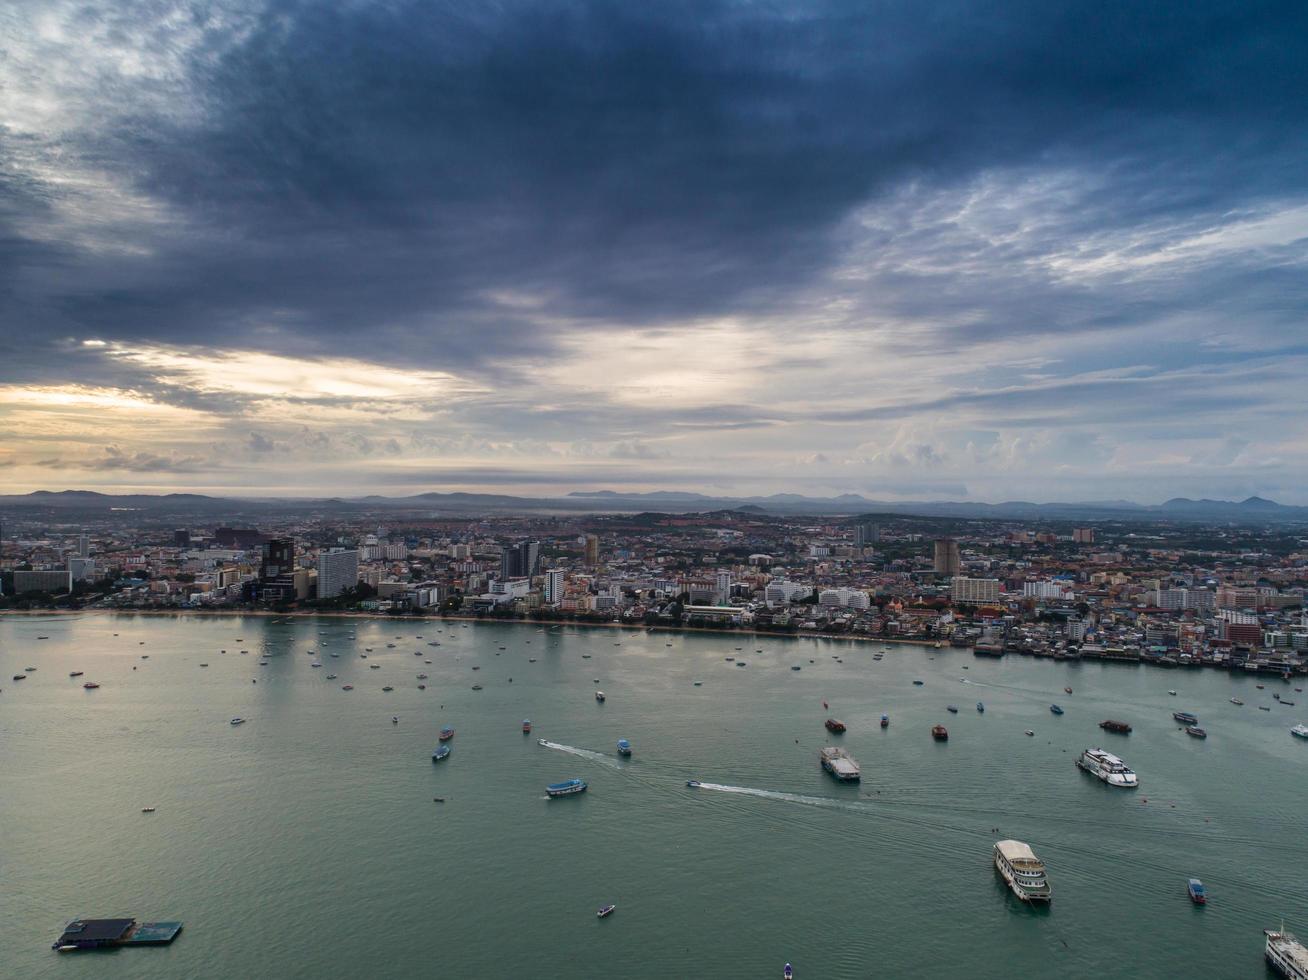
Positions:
(446, 734)
(1056, 709)
(980, 707)
(624, 747)
(605, 911)
(1195, 888)
(442, 752)
(566, 788)
(788, 973)
(885, 721)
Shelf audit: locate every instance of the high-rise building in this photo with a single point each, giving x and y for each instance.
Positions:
(519, 560)
(554, 586)
(278, 558)
(181, 538)
(592, 549)
(974, 590)
(338, 571)
(1083, 535)
(82, 569)
(866, 534)
(55, 580)
(947, 559)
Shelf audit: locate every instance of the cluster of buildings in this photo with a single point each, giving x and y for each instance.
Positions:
(1174, 593)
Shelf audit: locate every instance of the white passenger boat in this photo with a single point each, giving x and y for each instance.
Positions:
(1109, 768)
(1286, 955)
(1023, 871)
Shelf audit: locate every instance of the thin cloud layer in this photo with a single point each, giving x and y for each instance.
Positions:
(1023, 249)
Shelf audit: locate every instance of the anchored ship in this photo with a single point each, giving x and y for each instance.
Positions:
(1023, 871)
(840, 764)
(1109, 768)
(1286, 955)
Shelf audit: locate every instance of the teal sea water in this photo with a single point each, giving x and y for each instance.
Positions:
(306, 842)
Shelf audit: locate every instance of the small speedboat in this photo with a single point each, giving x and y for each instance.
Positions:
(237, 721)
(599, 696)
(1236, 701)
(693, 783)
(981, 708)
(1056, 709)
(347, 687)
(566, 788)
(446, 734)
(442, 752)
(624, 747)
(940, 733)
(1067, 690)
(1195, 888)
(604, 911)
(476, 687)
(331, 677)
(1029, 732)
(952, 708)
(388, 688)
(147, 809)
(526, 726)
(1172, 693)
(788, 973)
(918, 683)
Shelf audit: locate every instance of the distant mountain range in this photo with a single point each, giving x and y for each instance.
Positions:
(1254, 510)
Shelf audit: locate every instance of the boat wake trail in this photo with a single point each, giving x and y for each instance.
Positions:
(599, 757)
(768, 794)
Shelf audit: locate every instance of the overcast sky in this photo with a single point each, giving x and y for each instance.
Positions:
(995, 250)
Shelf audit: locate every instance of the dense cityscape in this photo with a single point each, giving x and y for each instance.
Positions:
(1171, 594)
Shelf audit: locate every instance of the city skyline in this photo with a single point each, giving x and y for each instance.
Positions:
(1049, 252)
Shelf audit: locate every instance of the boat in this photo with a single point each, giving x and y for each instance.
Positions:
(1109, 768)
(1288, 703)
(788, 973)
(1299, 731)
(1259, 686)
(885, 721)
(566, 788)
(918, 683)
(1195, 888)
(331, 677)
(1236, 701)
(446, 734)
(1028, 732)
(1195, 731)
(834, 725)
(624, 747)
(374, 666)
(388, 688)
(1022, 871)
(1067, 690)
(347, 687)
(952, 708)
(237, 721)
(693, 783)
(1185, 717)
(605, 911)
(840, 764)
(29, 669)
(147, 809)
(1275, 695)
(1286, 955)
(1263, 707)
(476, 687)
(940, 733)
(1056, 709)
(526, 726)
(599, 696)
(20, 677)
(90, 685)
(1172, 693)
(796, 667)
(1121, 727)
(395, 719)
(76, 673)
(981, 708)
(442, 752)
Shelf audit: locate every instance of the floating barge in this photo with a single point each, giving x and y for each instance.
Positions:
(81, 934)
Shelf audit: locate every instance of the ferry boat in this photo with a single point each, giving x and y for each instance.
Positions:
(566, 788)
(1109, 768)
(981, 708)
(624, 747)
(1121, 727)
(526, 726)
(1023, 871)
(834, 725)
(940, 733)
(885, 721)
(1286, 955)
(840, 764)
(1196, 732)
(1185, 718)
(952, 708)
(1300, 731)
(599, 696)
(1195, 889)
(604, 911)
(446, 734)
(1056, 709)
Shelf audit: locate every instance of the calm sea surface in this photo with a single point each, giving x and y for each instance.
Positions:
(306, 843)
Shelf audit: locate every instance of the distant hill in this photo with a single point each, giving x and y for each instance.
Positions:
(1254, 510)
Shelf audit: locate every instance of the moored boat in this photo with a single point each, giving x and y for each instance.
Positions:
(442, 752)
(237, 721)
(566, 788)
(1236, 701)
(1185, 718)
(981, 708)
(599, 696)
(1067, 690)
(1109, 768)
(952, 708)
(1056, 709)
(1286, 955)
(1022, 871)
(940, 733)
(918, 683)
(1121, 727)
(605, 911)
(446, 734)
(624, 747)
(885, 721)
(90, 685)
(1299, 731)
(526, 726)
(1195, 731)
(1195, 889)
(840, 764)
(76, 673)
(834, 725)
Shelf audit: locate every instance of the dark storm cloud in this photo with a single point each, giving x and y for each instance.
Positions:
(397, 168)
